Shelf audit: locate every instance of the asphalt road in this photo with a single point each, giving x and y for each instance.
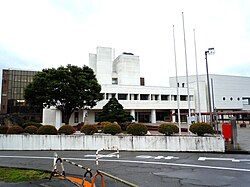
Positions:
(146, 169)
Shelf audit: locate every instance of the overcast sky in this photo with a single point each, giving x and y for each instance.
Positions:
(49, 33)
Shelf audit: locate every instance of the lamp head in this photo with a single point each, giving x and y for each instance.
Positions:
(210, 51)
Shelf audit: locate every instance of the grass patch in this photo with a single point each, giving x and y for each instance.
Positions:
(21, 175)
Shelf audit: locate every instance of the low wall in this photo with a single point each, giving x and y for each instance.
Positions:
(124, 142)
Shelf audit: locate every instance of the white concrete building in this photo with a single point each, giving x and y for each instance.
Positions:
(120, 78)
(229, 94)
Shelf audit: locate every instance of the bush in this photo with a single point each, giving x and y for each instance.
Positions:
(31, 123)
(66, 129)
(47, 129)
(104, 123)
(3, 129)
(137, 129)
(15, 129)
(168, 129)
(112, 129)
(201, 128)
(31, 129)
(78, 126)
(89, 129)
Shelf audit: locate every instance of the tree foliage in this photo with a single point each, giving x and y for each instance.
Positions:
(113, 111)
(67, 88)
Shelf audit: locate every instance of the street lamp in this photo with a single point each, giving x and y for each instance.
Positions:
(210, 51)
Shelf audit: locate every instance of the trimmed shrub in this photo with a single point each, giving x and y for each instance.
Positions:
(89, 129)
(15, 129)
(47, 129)
(3, 129)
(104, 123)
(137, 129)
(112, 129)
(31, 129)
(168, 129)
(66, 129)
(201, 128)
(31, 123)
(78, 126)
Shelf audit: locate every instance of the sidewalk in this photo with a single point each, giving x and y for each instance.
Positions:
(244, 138)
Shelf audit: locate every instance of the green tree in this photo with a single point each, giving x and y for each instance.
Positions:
(67, 88)
(113, 111)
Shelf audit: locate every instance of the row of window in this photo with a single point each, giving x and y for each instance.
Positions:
(224, 98)
(156, 97)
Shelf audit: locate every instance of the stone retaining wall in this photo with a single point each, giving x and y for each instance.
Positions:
(124, 142)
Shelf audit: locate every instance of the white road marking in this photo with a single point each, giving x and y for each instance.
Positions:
(223, 159)
(157, 157)
(101, 156)
(138, 162)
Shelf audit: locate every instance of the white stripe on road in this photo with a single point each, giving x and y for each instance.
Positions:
(157, 157)
(223, 159)
(100, 156)
(138, 162)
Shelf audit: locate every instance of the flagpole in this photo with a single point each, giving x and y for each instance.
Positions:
(189, 111)
(177, 87)
(197, 79)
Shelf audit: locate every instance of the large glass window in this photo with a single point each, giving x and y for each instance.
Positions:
(164, 97)
(144, 97)
(122, 96)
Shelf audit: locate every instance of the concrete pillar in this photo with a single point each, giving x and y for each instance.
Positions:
(132, 97)
(153, 116)
(132, 113)
(173, 116)
(84, 115)
(58, 119)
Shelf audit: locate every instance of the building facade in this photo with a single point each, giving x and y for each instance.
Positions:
(230, 95)
(120, 77)
(14, 83)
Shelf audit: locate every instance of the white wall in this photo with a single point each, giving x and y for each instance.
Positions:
(146, 104)
(124, 142)
(224, 86)
(127, 68)
(104, 65)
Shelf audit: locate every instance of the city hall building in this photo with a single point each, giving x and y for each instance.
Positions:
(120, 78)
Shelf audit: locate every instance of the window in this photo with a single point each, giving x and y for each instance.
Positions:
(174, 97)
(107, 96)
(231, 98)
(114, 81)
(183, 85)
(183, 97)
(238, 98)
(122, 96)
(144, 97)
(223, 98)
(164, 97)
(135, 96)
(178, 85)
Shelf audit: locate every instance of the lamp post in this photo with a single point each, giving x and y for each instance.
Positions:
(210, 51)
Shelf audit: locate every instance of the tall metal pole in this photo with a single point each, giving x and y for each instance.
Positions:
(197, 79)
(208, 90)
(189, 111)
(177, 87)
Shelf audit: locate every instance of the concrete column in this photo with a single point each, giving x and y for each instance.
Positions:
(173, 116)
(132, 113)
(153, 116)
(132, 97)
(84, 115)
(58, 119)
